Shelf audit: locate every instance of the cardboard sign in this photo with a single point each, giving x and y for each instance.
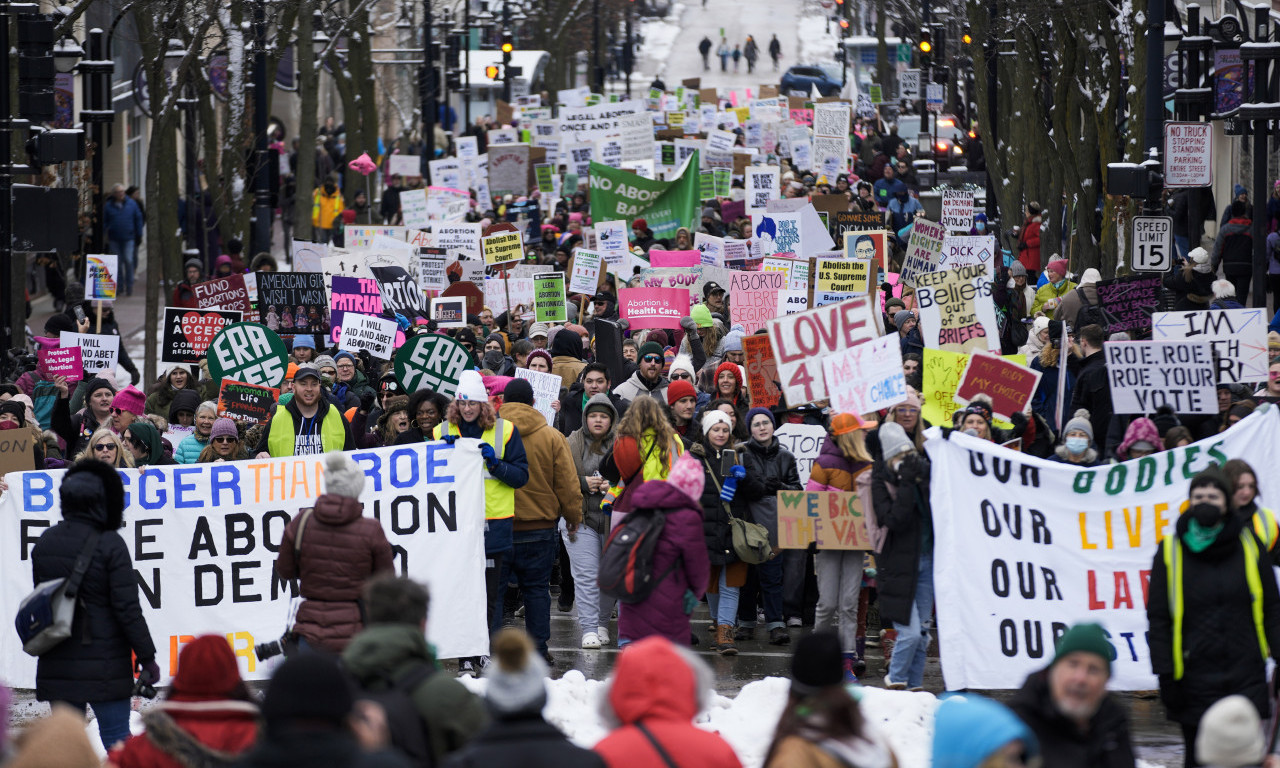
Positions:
(224, 293)
(801, 341)
(653, 307)
(968, 251)
(856, 221)
(830, 520)
(661, 258)
(187, 332)
(1144, 375)
(250, 353)
(1128, 303)
(941, 380)
(762, 371)
(61, 362)
(866, 378)
(754, 297)
(376, 334)
(546, 390)
(450, 312)
(303, 291)
(101, 276)
(307, 257)
(923, 250)
(431, 361)
(248, 403)
(98, 351)
(1009, 385)
(17, 451)
(1238, 338)
(433, 272)
(762, 186)
(586, 272)
(839, 279)
(869, 245)
(502, 247)
(549, 302)
(957, 210)
(957, 313)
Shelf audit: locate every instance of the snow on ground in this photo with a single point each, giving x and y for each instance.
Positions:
(817, 45)
(660, 34)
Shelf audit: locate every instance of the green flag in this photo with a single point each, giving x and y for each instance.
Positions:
(665, 205)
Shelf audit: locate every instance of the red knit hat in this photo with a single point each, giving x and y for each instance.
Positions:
(678, 390)
(732, 368)
(207, 669)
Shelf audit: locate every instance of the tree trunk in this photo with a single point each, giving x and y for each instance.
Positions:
(308, 124)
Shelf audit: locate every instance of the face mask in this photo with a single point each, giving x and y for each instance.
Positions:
(1077, 445)
(1205, 514)
(981, 226)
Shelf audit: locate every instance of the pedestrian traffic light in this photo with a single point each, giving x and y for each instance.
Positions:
(493, 72)
(36, 70)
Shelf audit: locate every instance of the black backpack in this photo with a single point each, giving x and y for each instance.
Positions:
(410, 733)
(1089, 314)
(626, 564)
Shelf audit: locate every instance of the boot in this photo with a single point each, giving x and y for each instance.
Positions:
(724, 641)
(850, 667)
(887, 639)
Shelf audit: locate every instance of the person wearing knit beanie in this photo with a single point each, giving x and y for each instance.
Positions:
(728, 384)
(758, 411)
(650, 348)
(1231, 735)
(893, 441)
(701, 315)
(307, 687)
(715, 416)
(126, 406)
(969, 730)
(518, 391)
(682, 399)
(517, 678)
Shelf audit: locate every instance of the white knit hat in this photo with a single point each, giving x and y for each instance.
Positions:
(471, 387)
(1230, 734)
(715, 416)
(342, 476)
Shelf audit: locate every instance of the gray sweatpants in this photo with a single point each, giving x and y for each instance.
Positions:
(839, 585)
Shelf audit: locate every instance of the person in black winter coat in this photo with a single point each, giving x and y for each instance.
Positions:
(1234, 250)
(1192, 285)
(593, 381)
(95, 665)
(1222, 644)
(728, 573)
(1092, 391)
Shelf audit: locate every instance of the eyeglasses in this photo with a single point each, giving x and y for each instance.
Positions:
(681, 377)
(224, 439)
(346, 367)
(117, 411)
(906, 411)
(104, 447)
(651, 359)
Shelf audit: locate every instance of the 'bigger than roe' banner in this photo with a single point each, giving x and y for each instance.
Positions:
(1025, 548)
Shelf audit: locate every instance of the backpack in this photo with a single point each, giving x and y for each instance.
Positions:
(626, 564)
(1089, 314)
(410, 733)
(46, 614)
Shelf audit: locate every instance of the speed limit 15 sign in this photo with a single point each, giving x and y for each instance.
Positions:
(1152, 243)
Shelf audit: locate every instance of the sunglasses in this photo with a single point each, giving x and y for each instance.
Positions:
(224, 439)
(651, 359)
(104, 447)
(681, 377)
(117, 411)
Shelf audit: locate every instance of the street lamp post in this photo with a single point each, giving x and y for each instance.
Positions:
(260, 233)
(427, 86)
(1259, 113)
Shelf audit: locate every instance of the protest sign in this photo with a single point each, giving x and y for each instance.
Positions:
(762, 186)
(1127, 302)
(627, 120)
(375, 334)
(396, 274)
(1009, 386)
(432, 269)
(957, 313)
(1144, 375)
(586, 272)
(829, 520)
(653, 307)
(409, 166)
(754, 297)
(445, 172)
(101, 276)
(17, 451)
(503, 294)
(549, 301)
(248, 403)
(664, 205)
(353, 294)
(1028, 548)
(804, 441)
(98, 352)
(762, 372)
(612, 237)
(447, 204)
(661, 258)
(1238, 338)
(187, 332)
(61, 362)
(304, 291)
(509, 169)
(735, 250)
(413, 208)
(360, 236)
(449, 312)
(872, 246)
(204, 539)
(941, 373)
(457, 238)
(307, 257)
(866, 378)
(546, 390)
(856, 221)
(957, 210)
(800, 341)
(923, 249)
(431, 361)
(710, 248)
(248, 352)
(968, 251)
(502, 247)
(224, 293)
(839, 279)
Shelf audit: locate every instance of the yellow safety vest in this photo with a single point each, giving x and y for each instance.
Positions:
(1172, 549)
(281, 441)
(499, 498)
(1267, 527)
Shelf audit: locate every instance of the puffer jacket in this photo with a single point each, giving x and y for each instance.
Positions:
(1105, 744)
(681, 550)
(96, 662)
(832, 471)
(190, 448)
(553, 490)
(341, 549)
(770, 468)
(653, 683)
(191, 734)
(901, 500)
(586, 462)
(715, 518)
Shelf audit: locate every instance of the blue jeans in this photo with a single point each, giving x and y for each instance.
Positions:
(113, 719)
(723, 604)
(531, 559)
(127, 251)
(1182, 246)
(912, 645)
(767, 583)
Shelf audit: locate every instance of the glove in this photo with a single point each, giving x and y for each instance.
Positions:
(449, 438)
(1019, 422)
(1171, 693)
(690, 602)
(148, 672)
(688, 324)
(624, 324)
(367, 400)
(730, 488)
(490, 458)
(606, 509)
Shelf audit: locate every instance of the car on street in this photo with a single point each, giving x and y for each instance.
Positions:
(946, 148)
(798, 80)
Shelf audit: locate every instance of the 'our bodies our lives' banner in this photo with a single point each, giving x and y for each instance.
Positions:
(204, 539)
(1025, 548)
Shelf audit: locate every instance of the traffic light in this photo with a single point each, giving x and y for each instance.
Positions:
(493, 72)
(844, 27)
(966, 36)
(36, 71)
(508, 45)
(926, 47)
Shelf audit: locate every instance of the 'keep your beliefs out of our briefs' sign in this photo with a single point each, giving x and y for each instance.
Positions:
(204, 539)
(1025, 548)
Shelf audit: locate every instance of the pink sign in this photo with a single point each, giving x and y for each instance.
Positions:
(653, 307)
(690, 258)
(62, 362)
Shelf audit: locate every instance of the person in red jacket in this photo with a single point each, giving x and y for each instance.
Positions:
(207, 716)
(656, 690)
(1029, 240)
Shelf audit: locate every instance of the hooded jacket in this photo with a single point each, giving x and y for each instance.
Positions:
(340, 550)
(1233, 248)
(569, 417)
(389, 652)
(681, 549)
(150, 436)
(1030, 237)
(1105, 744)
(566, 357)
(635, 386)
(96, 662)
(553, 490)
(586, 461)
(653, 683)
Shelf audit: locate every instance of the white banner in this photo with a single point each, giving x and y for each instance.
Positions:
(204, 538)
(1025, 548)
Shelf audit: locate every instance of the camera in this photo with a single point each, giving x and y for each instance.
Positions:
(286, 644)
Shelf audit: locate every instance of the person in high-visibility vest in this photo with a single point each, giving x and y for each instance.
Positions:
(1213, 611)
(326, 207)
(1245, 502)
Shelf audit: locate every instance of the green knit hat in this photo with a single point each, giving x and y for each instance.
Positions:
(1090, 638)
(650, 348)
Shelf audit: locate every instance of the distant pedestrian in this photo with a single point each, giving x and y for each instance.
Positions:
(737, 56)
(704, 48)
(123, 221)
(775, 51)
(752, 52)
(723, 53)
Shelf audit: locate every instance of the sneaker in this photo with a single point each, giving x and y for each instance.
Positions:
(519, 612)
(482, 665)
(795, 621)
(563, 606)
(850, 668)
(779, 636)
(591, 641)
(894, 686)
(603, 634)
(466, 668)
(918, 689)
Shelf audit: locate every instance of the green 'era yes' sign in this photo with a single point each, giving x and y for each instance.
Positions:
(248, 352)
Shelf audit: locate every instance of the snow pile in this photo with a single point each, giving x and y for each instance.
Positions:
(818, 46)
(660, 34)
